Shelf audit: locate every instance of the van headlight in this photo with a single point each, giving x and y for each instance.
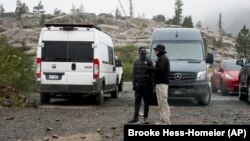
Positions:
(201, 76)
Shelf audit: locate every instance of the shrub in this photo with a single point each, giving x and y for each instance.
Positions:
(16, 70)
(128, 55)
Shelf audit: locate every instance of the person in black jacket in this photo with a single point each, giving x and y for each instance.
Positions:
(142, 85)
(161, 80)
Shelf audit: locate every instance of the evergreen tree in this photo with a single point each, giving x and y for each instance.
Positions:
(21, 8)
(188, 22)
(178, 12)
(38, 8)
(57, 11)
(243, 42)
(42, 20)
(159, 18)
(2, 10)
(73, 9)
(198, 25)
(118, 14)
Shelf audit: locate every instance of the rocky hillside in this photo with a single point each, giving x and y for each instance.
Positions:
(131, 31)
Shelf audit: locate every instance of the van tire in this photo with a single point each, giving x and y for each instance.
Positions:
(114, 94)
(45, 98)
(99, 97)
(205, 100)
(241, 96)
(120, 86)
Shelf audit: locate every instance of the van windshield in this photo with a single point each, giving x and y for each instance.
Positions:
(180, 50)
(63, 51)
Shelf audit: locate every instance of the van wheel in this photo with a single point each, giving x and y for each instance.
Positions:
(206, 99)
(120, 86)
(241, 96)
(248, 92)
(45, 98)
(99, 97)
(114, 94)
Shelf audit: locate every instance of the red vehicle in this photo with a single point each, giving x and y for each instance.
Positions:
(226, 77)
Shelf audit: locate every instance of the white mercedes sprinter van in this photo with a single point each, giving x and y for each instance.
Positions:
(75, 60)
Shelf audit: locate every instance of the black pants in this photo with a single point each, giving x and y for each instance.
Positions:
(142, 92)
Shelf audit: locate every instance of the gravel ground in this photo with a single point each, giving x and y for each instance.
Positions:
(78, 120)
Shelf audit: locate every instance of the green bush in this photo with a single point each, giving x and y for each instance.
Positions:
(16, 68)
(128, 54)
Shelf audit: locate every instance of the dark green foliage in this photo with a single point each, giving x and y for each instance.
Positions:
(21, 8)
(188, 22)
(16, 68)
(128, 54)
(159, 18)
(178, 12)
(243, 42)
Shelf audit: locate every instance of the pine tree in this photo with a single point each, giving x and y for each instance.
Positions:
(73, 9)
(243, 42)
(178, 12)
(159, 18)
(42, 20)
(198, 25)
(57, 11)
(21, 8)
(118, 14)
(188, 22)
(38, 8)
(2, 10)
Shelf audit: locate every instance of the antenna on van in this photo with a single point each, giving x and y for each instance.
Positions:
(176, 35)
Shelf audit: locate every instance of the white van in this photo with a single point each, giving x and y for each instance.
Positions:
(75, 60)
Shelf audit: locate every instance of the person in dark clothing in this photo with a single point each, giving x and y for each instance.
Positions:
(161, 80)
(142, 85)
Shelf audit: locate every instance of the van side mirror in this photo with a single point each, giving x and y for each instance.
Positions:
(210, 58)
(240, 63)
(118, 63)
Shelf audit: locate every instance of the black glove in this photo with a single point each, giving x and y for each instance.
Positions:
(134, 87)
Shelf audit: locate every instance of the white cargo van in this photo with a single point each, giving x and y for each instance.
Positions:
(75, 60)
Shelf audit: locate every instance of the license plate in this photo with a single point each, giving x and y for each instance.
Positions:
(177, 92)
(53, 77)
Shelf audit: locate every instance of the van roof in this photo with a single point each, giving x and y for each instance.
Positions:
(176, 34)
(73, 25)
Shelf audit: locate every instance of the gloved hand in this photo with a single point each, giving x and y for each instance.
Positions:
(134, 87)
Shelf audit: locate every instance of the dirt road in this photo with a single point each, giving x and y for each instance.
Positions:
(79, 120)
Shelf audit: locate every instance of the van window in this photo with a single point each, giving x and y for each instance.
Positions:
(63, 51)
(54, 51)
(181, 50)
(111, 55)
(80, 52)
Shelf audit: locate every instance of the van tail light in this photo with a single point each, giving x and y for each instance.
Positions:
(38, 67)
(96, 69)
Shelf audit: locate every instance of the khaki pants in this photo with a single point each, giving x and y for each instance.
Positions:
(162, 98)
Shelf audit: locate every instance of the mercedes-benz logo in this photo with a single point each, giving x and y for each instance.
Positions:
(53, 66)
(177, 76)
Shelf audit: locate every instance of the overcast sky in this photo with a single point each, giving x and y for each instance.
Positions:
(206, 11)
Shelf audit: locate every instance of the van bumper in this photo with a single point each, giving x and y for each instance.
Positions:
(196, 90)
(70, 89)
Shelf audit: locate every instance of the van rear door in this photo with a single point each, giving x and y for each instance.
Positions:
(80, 58)
(53, 58)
